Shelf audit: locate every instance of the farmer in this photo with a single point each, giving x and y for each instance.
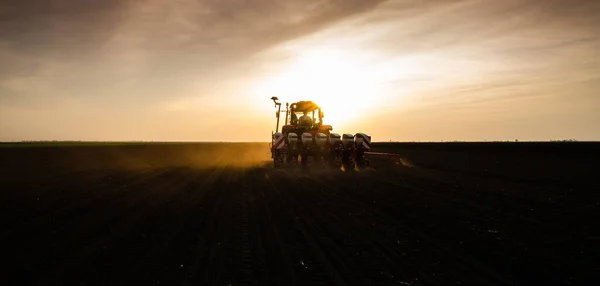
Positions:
(305, 120)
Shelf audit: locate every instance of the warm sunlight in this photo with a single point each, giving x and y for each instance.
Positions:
(336, 80)
(200, 70)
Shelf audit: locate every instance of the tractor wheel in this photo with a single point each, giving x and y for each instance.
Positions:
(303, 159)
(277, 162)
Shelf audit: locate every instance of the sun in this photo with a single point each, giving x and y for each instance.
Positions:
(337, 81)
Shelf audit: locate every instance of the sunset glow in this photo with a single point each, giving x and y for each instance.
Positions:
(341, 84)
(397, 70)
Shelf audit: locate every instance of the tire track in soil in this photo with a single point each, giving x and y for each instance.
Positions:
(251, 269)
(320, 207)
(383, 259)
(360, 236)
(247, 268)
(192, 210)
(213, 245)
(273, 263)
(323, 264)
(279, 247)
(325, 217)
(226, 254)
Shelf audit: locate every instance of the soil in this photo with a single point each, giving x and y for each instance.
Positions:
(220, 214)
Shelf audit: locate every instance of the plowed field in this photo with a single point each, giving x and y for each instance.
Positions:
(220, 214)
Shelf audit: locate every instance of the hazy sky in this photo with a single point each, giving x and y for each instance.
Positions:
(204, 70)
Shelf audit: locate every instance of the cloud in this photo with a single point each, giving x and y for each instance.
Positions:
(185, 26)
(485, 44)
(37, 26)
(124, 45)
(150, 55)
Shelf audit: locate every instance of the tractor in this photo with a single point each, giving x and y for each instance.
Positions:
(304, 139)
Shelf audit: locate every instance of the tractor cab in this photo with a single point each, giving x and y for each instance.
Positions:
(304, 116)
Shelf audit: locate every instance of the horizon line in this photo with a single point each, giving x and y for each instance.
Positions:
(223, 141)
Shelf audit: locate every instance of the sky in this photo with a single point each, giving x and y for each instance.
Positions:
(205, 70)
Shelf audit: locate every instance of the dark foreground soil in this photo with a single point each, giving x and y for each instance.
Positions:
(218, 214)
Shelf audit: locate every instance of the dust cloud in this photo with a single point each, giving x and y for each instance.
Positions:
(198, 155)
(135, 156)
